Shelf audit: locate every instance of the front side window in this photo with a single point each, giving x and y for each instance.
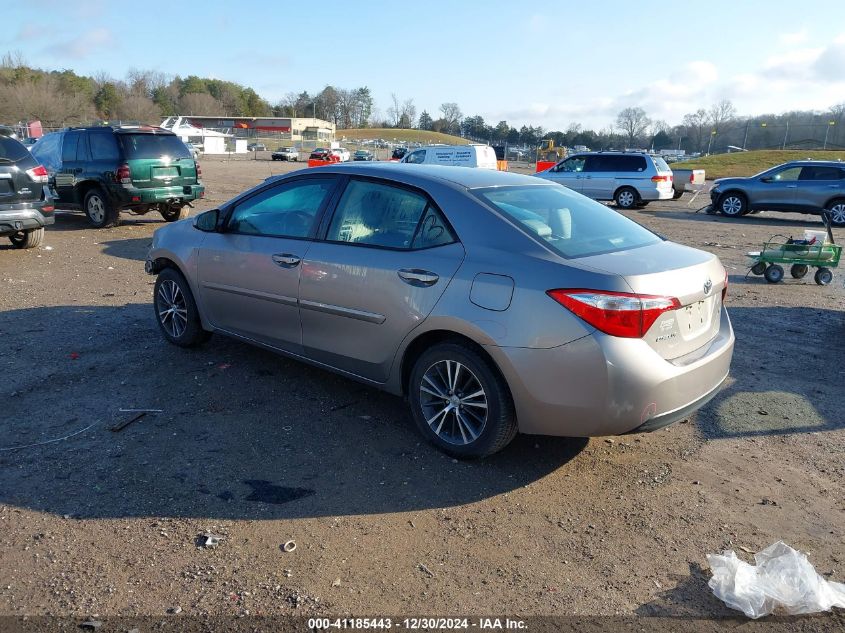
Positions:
(69, 147)
(571, 225)
(787, 175)
(376, 214)
(288, 210)
(573, 165)
(417, 157)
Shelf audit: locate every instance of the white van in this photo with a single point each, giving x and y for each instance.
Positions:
(481, 156)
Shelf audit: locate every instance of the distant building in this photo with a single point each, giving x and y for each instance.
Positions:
(287, 128)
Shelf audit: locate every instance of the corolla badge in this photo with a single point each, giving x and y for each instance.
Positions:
(708, 286)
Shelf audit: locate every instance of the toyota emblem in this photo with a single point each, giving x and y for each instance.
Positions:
(708, 286)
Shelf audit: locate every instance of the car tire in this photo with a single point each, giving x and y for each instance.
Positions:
(626, 198)
(463, 425)
(774, 274)
(101, 213)
(799, 271)
(732, 204)
(27, 239)
(677, 194)
(823, 276)
(173, 212)
(176, 311)
(836, 209)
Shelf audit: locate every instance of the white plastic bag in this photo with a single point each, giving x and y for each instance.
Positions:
(783, 578)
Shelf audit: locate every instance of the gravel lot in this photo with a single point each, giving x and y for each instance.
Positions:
(261, 450)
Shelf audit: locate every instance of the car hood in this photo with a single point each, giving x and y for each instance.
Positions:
(731, 181)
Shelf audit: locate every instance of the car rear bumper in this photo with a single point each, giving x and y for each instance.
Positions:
(653, 193)
(155, 195)
(605, 385)
(24, 217)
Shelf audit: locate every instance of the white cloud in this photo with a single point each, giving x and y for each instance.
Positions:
(83, 45)
(794, 38)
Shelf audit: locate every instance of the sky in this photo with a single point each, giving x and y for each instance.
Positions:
(544, 63)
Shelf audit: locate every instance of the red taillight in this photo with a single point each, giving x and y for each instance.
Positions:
(616, 313)
(199, 171)
(123, 175)
(692, 177)
(661, 179)
(38, 174)
(48, 208)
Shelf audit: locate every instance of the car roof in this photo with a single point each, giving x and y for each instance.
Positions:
(468, 177)
(808, 162)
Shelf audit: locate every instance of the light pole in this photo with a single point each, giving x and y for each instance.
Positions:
(745, 140)
(830, 124)
(785, 134)
(710, 144)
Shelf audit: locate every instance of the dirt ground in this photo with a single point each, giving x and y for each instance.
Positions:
(261, 450)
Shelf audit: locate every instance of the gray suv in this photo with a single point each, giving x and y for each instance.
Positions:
(807, 186)
(630, 179)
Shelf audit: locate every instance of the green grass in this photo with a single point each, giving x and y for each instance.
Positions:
(750, 163)
(401, 136)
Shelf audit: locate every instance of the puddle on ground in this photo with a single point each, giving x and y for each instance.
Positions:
(265, 492)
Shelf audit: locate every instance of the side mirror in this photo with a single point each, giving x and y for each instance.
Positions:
(207, 221)
(766, 179)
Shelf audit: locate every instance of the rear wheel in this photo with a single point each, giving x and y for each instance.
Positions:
(176, 311)
(27, 239)
(798, 271)
(774, 274)
(732, 205)
(100, 211)
(824, 276)
(677, 194)
(626, 198)
(173, 212)
(837, 212)
(460, 403)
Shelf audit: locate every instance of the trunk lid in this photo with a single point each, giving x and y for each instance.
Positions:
(672, 270)
(158, 160)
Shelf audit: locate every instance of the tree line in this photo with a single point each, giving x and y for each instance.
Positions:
(61, 97)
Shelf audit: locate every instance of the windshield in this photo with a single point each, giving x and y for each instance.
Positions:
(572, 225)
(153, 146)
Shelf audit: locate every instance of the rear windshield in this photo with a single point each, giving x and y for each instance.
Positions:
(153, 146)
(572, 225)
(11, 150)
(661, 164)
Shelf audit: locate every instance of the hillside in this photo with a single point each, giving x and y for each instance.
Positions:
(750, 163)
(401, 135)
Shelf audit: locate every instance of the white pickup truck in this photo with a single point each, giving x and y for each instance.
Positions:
(687, 180)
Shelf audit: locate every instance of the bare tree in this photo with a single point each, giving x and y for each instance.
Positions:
(696, 124)
(633, 122)
(452, 116)
(199, 103)
(394, 112)
(137, 107)
(409, 114)
(44, 100)
(720, 114)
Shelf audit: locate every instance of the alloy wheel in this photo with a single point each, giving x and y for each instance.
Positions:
(96, 210)
(172, 309)
(626, 199)
(453, 402)
(732, 205)
(837, 213)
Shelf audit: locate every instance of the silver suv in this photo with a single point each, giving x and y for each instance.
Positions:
(630, 179)
(807, 186)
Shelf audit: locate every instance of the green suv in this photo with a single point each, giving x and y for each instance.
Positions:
(103, 170)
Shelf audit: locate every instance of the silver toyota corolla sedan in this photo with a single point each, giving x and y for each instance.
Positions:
(495, 303)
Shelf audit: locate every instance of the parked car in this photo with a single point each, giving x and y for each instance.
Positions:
(256, 147)
(104, 170)
(286, 153)
(398, 153)
(26, 205)
(362, 154)
(194, 150)
(799, 186)
(411, 280)
(630, 179)
(482, 156)
(321, 153)
(342, 154)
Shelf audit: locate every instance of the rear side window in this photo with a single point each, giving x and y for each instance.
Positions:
(661, 164)
(571, 225)
(821, 173)
(153, 146)
(12, 150)
(377, 214)
(104, 146)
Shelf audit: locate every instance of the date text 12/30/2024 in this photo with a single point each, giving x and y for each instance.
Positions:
(422, 623)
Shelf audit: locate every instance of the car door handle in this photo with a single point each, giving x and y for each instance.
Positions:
(791, 186)
(286, 260)
(417, 277)
(833, 186)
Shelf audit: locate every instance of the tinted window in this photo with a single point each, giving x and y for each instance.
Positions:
(12, 150)
(621, 163)
(153, 146)
(570, 224)
(416, 157)
(378, 215)
(104, 146)
(69, 146)
(287, 210)
(46, 151)
(820, 173)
